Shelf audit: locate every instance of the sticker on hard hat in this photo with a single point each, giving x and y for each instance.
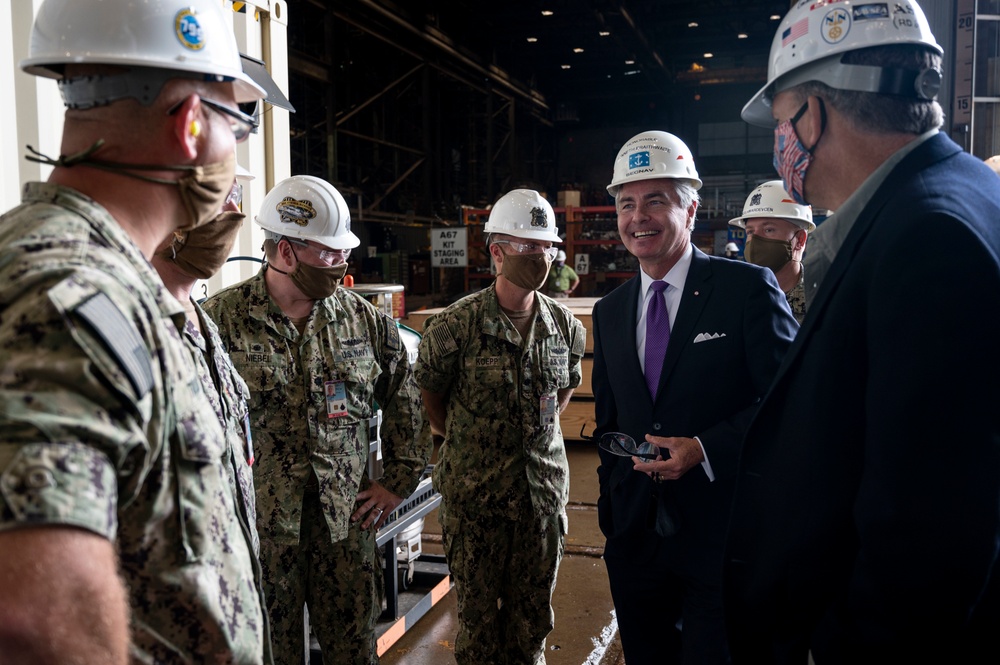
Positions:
(836, 26)
(189, 31)
(865, 12)
(637, 159)
(295, 211)
(538, 217)
(755, 199)
(795, 31)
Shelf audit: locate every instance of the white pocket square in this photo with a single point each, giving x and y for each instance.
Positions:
(704, 337)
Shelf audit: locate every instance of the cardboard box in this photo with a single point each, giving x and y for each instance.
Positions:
(568, 198)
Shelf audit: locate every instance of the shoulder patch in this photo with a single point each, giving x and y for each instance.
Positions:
(442, 340)
(580, 342)
(392, 338)
(121, 338)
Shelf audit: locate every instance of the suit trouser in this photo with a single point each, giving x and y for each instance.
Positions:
(504, 572)
(341, 583)
(664, 618)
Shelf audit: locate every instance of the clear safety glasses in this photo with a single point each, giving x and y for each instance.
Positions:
(528, 248)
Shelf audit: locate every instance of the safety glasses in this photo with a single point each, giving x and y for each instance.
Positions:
(327, 255)
(241, 123)
(528, 248)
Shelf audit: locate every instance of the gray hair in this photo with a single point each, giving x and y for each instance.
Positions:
(880, 113)
(686, 193)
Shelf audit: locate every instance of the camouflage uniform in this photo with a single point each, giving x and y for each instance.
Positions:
(311, 467)
(502, 474)
(105, 426)
(797, 299)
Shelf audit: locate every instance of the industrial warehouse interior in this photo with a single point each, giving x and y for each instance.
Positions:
(422, 115)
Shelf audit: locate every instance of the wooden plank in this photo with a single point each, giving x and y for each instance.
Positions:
(578, 414)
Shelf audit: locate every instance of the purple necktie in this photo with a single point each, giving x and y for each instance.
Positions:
(657, 336)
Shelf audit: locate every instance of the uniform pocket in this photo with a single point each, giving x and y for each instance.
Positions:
(203, 495)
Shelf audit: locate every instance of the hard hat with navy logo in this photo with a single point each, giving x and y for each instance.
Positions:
(650, 155)
(814, 36)
(153, 40)
(309, 208)
(523, 213)
(771, 200)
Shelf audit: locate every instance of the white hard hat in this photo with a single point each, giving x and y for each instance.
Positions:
(652, 155)
(167, 38)
(994, 163)
(308, 208)
(523, 213)
(560, 255)
(771, 200)
(732, 247)
(813, 37)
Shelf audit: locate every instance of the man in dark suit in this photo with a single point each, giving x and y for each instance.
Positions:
(729, 326)
(866, 522)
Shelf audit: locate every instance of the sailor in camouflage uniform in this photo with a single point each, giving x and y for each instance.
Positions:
(777, 229)
(319, 362)
(119, 527)
(495, 370)
(181, 262)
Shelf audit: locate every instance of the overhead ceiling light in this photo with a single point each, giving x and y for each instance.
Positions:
(547, 12)
(631, 72)
(565, 66)
(578, 50)
(630, 62)
(742, 35)
(693, 24)
(775, 17)
(708, 55)
(532, 40)
(603, 33)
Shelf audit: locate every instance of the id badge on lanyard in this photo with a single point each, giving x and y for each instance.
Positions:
(336, 399)
(547, 410)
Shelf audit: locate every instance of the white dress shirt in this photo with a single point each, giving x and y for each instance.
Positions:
(675, 278)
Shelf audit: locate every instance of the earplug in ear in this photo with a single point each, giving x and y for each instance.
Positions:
(195, 128)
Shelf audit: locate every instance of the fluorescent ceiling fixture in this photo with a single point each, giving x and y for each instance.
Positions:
(565, 66)
(532, 40)
(603, 33)
(708, 55)
(630, 62)
(578, 50)
(742, 35)
(631, 72)
(547, 12)
(693, 24)
(775, 17)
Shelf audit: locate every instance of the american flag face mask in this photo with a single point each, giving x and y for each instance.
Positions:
(791, 158)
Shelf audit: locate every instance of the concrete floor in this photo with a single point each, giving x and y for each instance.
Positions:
(585, 631)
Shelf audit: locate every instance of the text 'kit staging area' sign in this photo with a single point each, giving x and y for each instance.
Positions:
(449, 248)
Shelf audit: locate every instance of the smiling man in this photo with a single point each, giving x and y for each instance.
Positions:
(682, 354)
